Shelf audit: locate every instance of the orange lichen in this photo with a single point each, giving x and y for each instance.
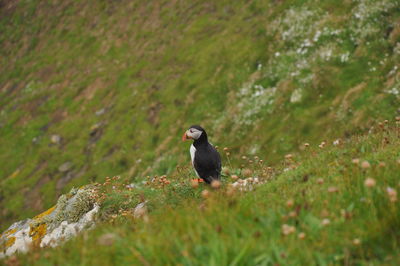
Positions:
(9, 232)
(14, 174)
(10, 242)
(37, 233)
(45, 213)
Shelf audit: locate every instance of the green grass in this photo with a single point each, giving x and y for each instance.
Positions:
(246, 228)
(156, 67)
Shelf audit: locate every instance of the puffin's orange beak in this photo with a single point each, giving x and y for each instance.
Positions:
(185, 137)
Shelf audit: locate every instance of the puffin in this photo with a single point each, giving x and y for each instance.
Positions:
(206, 160)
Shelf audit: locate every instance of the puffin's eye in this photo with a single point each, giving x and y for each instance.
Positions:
(191, 131)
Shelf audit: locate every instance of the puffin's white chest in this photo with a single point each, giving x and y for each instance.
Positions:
(192, 152)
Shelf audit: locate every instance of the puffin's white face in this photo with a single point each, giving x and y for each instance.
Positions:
(192, 133)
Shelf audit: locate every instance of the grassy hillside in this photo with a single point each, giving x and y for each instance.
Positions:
(107, 88)
(298, 213)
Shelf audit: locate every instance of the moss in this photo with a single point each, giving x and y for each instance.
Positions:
(78, 205)
(58, 212)
(70, 207)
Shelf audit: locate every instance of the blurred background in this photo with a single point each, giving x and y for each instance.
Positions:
(90, 89)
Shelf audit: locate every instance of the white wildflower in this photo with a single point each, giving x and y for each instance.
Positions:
(296, 96)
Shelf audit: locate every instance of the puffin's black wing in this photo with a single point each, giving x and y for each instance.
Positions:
(207, 163)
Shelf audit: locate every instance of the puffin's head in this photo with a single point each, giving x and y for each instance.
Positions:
(194, 132)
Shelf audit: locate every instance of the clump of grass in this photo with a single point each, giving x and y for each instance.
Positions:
(116, 198)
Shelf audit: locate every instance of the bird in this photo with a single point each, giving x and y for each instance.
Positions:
(206, 160)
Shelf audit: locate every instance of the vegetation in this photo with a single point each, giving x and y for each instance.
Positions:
(300, 212)
(104, 89)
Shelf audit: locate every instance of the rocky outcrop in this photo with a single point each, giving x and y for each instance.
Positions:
(73, 213)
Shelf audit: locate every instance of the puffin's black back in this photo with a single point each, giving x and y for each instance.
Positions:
(207, 160)
(207, 163)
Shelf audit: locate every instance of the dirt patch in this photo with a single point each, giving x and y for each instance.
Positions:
(152, 113)
(349, 96)
(164, 145)
(63, 181)
(31, 108)
(58, 116)
(33, 199)
(392, 81)
(12, 88)
(46, 73)
(5, 87)
(32, 195)
(89, 92)
(394, 36)
(7, 7)
(343, 104)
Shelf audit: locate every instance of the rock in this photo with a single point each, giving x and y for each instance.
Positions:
(73, 213)
(140, 210)
(96, 132)
(247, 184)
(65, 167)
(55, 139)
(100, 112)
(16, 238)
(95, 128)
(68, 230)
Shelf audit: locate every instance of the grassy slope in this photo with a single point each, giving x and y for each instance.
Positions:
(158, 66)
(246, 228)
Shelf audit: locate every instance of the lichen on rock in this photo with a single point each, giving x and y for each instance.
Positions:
(66, 230)
(10, 241)
(71, 207)
(74, 212)
(16, 238)
(37, 232)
